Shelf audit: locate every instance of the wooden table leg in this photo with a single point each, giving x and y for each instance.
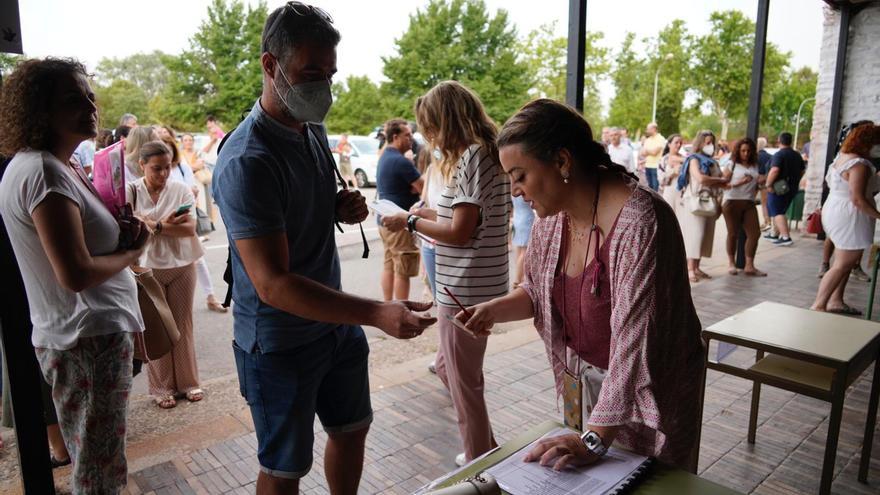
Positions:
(870, 422)
(756, 400)
(838, 392)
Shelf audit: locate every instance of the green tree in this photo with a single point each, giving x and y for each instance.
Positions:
(633, 82)
(359, 106)
(220, 73)
(545, 55)
(457, 39)
(145, 70)
(782, 100)
(8, 61)
(671, 52)
(119, 97)
(723, 62)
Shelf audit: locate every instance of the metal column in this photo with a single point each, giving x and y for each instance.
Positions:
(577, 39)
(755, 90)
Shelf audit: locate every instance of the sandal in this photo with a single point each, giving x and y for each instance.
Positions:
(692, 277)
(57, 463)
(733, 270)
(754, 273)
(702, 274)
(845, 310)
(166, 402)
(195, 395)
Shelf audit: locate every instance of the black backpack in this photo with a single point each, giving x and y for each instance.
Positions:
(227, 273)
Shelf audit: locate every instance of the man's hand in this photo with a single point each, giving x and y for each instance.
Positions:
(351, 207)
(398, 319)
(561, 452)
(395, 223)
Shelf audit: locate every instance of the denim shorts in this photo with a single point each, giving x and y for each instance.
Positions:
(778, 205)
(286, 389)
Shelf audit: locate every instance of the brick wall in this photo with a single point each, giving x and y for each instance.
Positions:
(861, 87)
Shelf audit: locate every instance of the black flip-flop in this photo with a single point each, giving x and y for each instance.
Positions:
(845, 310)
(57, 464)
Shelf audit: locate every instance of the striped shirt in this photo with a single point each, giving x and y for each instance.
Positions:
(478, 271)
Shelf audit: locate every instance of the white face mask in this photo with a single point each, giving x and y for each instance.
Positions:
(308, 101)
(708, 150)
(875, 151)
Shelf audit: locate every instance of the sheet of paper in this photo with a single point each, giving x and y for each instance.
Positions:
(521, 478)
(384, 207)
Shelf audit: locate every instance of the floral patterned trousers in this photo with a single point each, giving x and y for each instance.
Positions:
(90, 387)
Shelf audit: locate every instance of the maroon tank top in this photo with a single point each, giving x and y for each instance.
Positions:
(587, 333)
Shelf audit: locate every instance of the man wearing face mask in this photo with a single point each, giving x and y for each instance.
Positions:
(299, 349)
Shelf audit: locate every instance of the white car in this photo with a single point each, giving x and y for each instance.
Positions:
(364, 157)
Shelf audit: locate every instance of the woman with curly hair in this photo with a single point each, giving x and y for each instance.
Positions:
(738, 206)
(82, 297)
(850, 213)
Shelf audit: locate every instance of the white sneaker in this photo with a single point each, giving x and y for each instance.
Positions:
(460, 460)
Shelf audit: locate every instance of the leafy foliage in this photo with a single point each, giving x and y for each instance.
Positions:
(545, 55)
(220, 74)
(782, 100)
(723, 62)
(457, 40)
(358, 107)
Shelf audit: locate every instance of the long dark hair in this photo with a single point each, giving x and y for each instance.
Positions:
(545, 127)
(752, 158)
(669, 141)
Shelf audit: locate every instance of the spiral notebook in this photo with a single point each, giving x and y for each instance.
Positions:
(617, 473)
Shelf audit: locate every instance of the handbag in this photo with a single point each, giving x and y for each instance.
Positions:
(204, 176)
(814, 222)
(204, 225)
(160, 330)
(780, 187)
(702, 204)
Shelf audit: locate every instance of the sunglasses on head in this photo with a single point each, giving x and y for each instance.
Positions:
(298, 9)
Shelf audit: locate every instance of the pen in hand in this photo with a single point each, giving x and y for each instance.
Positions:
(466, 312)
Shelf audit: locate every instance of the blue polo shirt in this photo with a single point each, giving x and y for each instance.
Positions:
(394, 177)
(271, 179)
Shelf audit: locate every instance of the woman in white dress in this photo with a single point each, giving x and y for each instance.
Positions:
(849, 214)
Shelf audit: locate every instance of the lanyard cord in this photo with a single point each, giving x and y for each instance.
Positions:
(594, 289)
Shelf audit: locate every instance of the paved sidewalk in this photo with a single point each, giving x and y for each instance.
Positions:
(414, 438)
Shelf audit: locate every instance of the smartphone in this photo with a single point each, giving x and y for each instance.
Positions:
(183, 209)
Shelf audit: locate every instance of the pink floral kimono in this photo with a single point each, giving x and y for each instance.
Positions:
(652, 387)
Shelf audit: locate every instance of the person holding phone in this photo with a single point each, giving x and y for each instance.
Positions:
(166, 207)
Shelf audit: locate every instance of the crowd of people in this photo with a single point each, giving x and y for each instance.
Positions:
(608, 244)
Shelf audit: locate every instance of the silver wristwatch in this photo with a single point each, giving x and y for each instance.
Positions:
(593, 443)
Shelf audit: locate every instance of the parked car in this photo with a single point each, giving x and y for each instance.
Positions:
(364, 157)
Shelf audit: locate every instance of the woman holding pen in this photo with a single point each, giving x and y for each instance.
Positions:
(470, 226)
(606, 284)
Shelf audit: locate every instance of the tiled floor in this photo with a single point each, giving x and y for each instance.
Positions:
(414, 438)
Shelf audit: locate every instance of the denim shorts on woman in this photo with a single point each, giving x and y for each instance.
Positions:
(286, 389)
